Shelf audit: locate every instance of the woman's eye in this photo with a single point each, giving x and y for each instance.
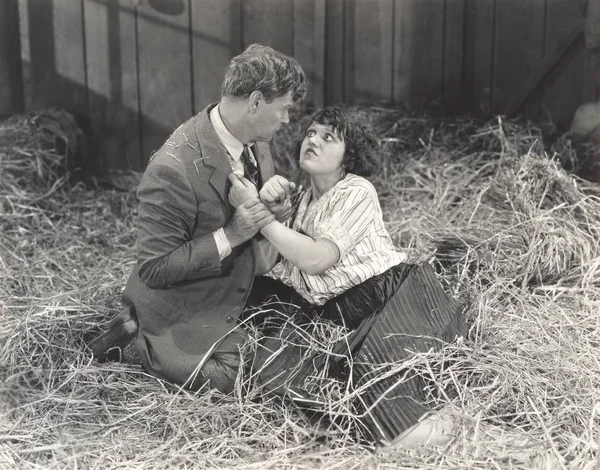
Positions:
(328, 137)
(310, 133)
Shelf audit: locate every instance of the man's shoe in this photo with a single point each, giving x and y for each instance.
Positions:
(108, 346)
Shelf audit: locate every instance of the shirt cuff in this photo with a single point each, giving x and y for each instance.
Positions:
(223, 246)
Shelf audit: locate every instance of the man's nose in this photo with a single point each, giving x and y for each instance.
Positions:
(286, 117)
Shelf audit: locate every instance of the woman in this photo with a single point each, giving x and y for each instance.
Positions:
(338, 262)
(337, 238)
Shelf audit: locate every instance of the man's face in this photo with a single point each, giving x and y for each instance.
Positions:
(269, 117)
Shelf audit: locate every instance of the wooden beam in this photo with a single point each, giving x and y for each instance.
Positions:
(546, 70)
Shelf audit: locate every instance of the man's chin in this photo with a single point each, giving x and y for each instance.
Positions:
(264, 139)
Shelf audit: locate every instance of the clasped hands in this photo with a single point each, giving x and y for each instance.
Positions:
(254, 209)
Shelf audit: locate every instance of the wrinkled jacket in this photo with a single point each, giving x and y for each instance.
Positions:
(185, 298)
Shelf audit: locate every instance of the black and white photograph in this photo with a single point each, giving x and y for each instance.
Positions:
(300, 234)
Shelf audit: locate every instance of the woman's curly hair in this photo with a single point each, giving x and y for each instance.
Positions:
(361, 155)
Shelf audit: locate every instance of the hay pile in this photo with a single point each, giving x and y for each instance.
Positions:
(506, 227)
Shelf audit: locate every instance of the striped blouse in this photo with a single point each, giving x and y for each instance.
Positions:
(350, 216)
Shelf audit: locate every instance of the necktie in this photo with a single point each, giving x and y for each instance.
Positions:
(250, 168)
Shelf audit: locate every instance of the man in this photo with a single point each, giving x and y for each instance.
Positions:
(196, 262)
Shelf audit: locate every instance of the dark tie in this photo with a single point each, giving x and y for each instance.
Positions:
(250, 168)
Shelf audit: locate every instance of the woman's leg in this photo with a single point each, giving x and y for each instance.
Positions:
(419, 317)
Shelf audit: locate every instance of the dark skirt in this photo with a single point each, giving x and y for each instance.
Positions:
(392, 316)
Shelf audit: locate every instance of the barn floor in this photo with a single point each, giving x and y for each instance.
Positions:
(488, 203)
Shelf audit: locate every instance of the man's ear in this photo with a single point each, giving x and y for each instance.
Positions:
(254, 101)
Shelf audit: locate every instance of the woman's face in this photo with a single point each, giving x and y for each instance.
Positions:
(322, 151)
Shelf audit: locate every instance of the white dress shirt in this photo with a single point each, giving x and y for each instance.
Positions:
(234, 148)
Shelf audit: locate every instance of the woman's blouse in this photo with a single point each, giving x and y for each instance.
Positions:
(350, 216)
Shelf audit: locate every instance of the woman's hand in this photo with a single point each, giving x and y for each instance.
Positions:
(275, 194)
(276, 190)
(241, 190)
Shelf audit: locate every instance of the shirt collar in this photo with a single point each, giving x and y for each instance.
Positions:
(232, 144)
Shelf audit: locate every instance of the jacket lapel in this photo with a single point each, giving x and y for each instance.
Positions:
(216, 161)
(214, 156)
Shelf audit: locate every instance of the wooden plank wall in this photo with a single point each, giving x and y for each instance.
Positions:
(11, 80)
(132, 74)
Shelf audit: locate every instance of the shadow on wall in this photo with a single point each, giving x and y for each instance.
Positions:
(100, 88)
(111, 129)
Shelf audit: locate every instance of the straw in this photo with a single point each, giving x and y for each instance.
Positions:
(488, 203)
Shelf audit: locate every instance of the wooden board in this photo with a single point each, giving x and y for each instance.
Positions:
(56, 57)
(25, 53)
(112, 84)
(165, 75)
(518, 48)
(335, 52)
(418, 51)
(479, 57)
(11, 80)
(268, 22)
(564, 94)
(591, 89)
(454, 37)
(309, 46)
(373, 51)
(214, 41)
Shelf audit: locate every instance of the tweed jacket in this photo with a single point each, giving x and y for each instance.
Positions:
(184, 296)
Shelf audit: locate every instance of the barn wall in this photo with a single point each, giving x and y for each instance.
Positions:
(132, 74)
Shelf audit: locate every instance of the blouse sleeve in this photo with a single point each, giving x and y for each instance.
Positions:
(347, 218)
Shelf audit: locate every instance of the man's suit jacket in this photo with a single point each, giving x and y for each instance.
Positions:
(185, 298)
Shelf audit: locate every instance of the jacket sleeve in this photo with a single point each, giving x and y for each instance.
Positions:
(167, 218)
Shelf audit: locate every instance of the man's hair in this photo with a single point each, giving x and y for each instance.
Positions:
(361, 155)
(261, 68)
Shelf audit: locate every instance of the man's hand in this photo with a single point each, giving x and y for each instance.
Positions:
(276, 190)
(241, 190)
(250, 216)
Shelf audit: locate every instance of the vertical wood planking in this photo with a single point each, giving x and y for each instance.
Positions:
(56, 56)
(418, 50)
(335, 50)
(309, 46)
(349, 48)
(11, 80)
(519, 41)
(404, 48)
(25, 53)
(69, 41)
(454, 28)
(85, 55)
(112, 83)
(373, 50)
(562, 96)
(268, 22)
(164, 67)
(478, 51)
(214, 43)
(591, 88)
